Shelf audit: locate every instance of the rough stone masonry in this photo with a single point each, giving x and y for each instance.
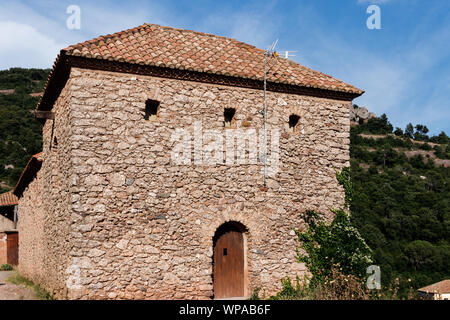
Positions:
(109, 214)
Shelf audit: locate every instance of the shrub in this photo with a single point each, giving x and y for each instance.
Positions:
(336, 245)
(6, 267)
(337, 286)
(425, 146)
(255, 294)
(344, 180)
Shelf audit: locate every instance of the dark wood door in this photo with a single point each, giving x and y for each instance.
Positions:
(12, 247)
(229, 265)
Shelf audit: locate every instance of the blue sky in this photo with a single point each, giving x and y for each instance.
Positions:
(404, 67)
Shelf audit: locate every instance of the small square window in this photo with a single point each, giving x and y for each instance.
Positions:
(225, 251)
(151, 110)
(293, 123)
(228, 115)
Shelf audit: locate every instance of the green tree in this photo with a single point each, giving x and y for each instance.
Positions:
(422, 255)
(398, 132)
(409, 130)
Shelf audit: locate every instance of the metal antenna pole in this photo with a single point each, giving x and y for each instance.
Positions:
(265, 110)
(268, 53)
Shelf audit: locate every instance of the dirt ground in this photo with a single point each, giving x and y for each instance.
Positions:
(9, 291)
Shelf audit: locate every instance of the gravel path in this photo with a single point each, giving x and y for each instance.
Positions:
(10, 291)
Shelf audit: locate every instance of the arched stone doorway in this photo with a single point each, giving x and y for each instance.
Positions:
(229, 261)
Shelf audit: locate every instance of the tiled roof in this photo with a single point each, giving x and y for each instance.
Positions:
(8, 199)
(439, 287)
(155, 45)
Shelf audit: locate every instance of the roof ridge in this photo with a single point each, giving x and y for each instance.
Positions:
(146, 25)
(201, 33)
(436, 287)
(102, 37)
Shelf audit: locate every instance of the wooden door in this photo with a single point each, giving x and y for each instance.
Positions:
(229, 265)
(12, 247)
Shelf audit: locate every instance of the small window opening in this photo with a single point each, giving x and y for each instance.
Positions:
(229, 117)
(225, 251)
(151, 110)
(55, 143)
(293, 122)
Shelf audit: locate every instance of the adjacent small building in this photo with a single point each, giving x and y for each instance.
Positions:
(436, 291)
(9, 242)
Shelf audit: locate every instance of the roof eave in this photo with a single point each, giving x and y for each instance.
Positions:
(55, 83)
(64, 62)
(27, 175)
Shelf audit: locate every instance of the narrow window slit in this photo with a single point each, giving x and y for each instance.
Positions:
(228, 117)
(151, 110)
(293, 122)
(55, 143)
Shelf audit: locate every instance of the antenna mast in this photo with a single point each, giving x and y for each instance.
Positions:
(269, 53)
(288, 54)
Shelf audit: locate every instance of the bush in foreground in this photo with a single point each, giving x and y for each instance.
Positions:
(6, 267)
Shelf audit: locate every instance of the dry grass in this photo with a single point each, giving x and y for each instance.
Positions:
(41, 293)
(338, 286)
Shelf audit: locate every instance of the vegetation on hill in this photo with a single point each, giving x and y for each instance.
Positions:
(20, 133)
(401, 205)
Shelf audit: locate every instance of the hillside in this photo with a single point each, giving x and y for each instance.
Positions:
(401, 202)
(20, 133)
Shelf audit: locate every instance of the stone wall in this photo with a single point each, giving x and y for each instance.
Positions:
(6, 224)
(32, 232)
(3, 249)
(143, 226)
(44, 209)
(127, 222)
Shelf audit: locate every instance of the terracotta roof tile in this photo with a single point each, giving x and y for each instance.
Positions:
(438, 287)
(8, 199)
(155, 45)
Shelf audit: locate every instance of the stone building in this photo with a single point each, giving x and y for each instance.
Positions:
(436, 291)
(151, 180)
(8, 229)
(8, 211)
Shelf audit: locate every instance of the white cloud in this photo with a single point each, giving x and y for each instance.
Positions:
(96, 20)
(24, 46)
(252, 28)
(253, 24)
(32, 36)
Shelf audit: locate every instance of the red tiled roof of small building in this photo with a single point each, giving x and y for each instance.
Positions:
(438, 287)
(8, 199)
(155, 45)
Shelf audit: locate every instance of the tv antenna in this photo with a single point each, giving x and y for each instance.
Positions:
(288, 54)
(272, 55)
